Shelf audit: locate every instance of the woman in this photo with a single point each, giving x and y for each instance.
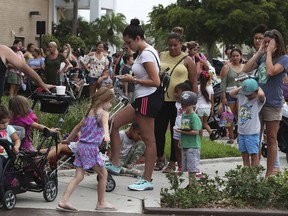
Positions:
(29, 52)
(37, 62)
(95, 63)
(185, 70)
(228, 74)
(15, 76)
(272, 63)
(192, 52)
(144, 108)
(8, 56)
(52, 64)
(71, 58)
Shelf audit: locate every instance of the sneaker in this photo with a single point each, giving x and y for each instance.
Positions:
(115, 170)
(141, 185)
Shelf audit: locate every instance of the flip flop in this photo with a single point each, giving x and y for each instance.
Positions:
(107, 208)
(66, 208)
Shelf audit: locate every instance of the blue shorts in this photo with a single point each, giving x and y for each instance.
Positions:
(230, 99)
(249, 143)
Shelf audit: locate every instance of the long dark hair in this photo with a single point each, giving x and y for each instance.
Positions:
(204, 79)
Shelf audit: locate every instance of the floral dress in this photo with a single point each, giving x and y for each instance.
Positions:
(87, 153)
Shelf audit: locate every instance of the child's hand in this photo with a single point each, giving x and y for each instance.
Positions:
(54, 130)
(16, 149)
(177, 130)
(106, 138)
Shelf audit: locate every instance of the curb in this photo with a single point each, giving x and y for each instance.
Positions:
(207, 211)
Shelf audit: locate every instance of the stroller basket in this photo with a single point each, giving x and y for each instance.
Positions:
(52, 103)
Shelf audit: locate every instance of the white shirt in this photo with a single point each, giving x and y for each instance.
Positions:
(201, 101)
(140, 72)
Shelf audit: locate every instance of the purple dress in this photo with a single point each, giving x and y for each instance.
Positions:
(87, 153)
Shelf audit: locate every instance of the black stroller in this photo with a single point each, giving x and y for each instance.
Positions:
(282, 136)
(28, 171)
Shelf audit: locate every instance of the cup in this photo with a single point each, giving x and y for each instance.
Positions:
(60, 90)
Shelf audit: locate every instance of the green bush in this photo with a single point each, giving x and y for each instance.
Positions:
(242, 187)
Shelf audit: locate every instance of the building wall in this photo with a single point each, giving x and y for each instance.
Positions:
(17, 22)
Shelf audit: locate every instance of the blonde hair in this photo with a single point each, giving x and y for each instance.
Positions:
(19, 106)
(102, 95)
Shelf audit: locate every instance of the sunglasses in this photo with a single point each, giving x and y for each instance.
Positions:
(269, 34)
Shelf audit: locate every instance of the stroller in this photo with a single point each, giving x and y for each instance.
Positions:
(28, 171)
(121, 101)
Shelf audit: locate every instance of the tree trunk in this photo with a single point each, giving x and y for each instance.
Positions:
(75, 17)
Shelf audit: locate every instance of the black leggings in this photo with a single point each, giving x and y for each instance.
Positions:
(167, 114)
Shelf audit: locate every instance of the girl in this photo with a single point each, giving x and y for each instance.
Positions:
(144, 108)
(9, 133)
(179, 88)
(22, 116)
(94, 128)
(205, 102)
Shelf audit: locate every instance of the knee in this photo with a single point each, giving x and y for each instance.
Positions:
(102, 174)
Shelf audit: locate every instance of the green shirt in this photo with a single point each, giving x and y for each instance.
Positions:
(192, 122)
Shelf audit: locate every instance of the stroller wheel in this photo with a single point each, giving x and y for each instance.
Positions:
(264, 150)
(111, 184)
(50, 191)
(214, 135)
(9, 200)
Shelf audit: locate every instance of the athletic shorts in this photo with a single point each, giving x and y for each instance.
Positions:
(148, 105)
(270, 113)
(249, 143)
(13, 78)
(190, 160)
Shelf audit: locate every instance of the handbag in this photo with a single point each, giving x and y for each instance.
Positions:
(165, 76)
(227, 117)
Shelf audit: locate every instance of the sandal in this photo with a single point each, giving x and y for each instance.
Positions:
(230, 141)
(169, 169)
(159, 165)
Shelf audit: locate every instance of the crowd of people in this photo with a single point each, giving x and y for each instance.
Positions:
(184, 108)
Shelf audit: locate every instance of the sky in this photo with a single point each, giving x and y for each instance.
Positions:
(133, 8)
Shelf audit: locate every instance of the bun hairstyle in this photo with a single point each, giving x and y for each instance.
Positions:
(177, 33)
(134, 29)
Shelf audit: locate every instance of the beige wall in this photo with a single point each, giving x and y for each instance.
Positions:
(16, 21)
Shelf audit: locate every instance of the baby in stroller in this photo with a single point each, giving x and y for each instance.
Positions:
(9, 133)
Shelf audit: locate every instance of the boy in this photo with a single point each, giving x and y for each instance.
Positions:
(251, 99)
(132, 150)
(190, 139)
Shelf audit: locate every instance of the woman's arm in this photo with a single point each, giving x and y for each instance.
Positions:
(192, 73)
(223, 76)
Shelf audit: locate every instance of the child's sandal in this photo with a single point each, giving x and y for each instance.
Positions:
(230, 141)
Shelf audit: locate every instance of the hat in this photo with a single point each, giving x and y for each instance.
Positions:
(188, 98)
(249, 86)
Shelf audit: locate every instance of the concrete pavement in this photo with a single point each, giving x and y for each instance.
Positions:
(124, 200)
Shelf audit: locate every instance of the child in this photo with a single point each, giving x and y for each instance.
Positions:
(21, 116)
(132, 149)
(94, 128)
(9, 133)
(189, 140)
(251, 99)
(184, 86)
(205, 102)
(105, 80)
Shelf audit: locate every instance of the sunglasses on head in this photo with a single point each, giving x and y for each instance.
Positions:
(270, 34)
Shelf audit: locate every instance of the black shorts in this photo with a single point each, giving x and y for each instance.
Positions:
(148, 105)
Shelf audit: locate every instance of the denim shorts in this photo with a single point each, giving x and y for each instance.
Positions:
(249, 143)
(190, 160)
(230, 99)
(92, 80)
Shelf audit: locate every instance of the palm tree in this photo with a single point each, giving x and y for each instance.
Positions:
(110, 27)
(75, 16)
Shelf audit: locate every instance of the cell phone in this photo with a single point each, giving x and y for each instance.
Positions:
(184, 129)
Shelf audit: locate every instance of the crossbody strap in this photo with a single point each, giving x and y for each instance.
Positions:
(174, 65)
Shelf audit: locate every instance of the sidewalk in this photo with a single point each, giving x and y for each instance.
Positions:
(125, 201)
